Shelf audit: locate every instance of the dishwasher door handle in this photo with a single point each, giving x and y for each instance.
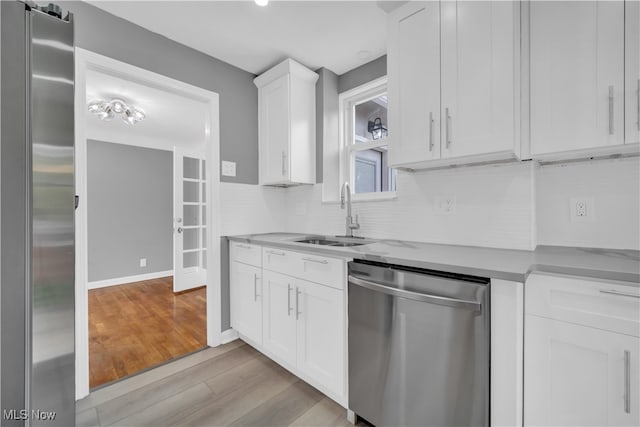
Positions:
(416, 296)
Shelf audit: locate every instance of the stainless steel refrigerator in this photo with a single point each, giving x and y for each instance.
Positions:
(37, 198)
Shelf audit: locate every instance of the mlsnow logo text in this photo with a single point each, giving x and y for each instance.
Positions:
(23, 414)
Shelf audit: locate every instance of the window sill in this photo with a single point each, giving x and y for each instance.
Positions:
(366, 197)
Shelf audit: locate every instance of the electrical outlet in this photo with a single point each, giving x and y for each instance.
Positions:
(143, 262)
(228, 168)
(582, 209)
(445, 205)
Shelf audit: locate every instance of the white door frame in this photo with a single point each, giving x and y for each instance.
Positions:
(85, 61)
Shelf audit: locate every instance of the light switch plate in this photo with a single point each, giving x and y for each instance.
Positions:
(228, 168)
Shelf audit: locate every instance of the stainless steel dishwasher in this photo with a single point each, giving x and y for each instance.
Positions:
(419, 346)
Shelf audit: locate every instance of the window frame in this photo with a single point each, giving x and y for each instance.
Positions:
(347, 101)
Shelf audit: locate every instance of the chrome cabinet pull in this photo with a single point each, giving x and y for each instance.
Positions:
(298, 312)
(284, 160)
(448, 127)
(276, 253)
(319, 261)
(611, 110)
(430, 131)
(619, 293)
(638, 104)
(289, 308)
(627, 382)
(238, 245)
(255, 286)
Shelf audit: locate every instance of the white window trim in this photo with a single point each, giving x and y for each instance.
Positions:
(347, 100)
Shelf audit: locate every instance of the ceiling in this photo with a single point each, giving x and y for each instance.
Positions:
(338, 35)
(172, 119)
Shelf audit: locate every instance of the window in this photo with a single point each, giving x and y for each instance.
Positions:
(365, 163)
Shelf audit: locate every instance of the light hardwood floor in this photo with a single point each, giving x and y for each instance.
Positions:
(139, 325)
(231, 384)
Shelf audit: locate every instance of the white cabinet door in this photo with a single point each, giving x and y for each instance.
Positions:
(414, 83)
(321, 328)
(479, 45)
(632, 71)
(576, 375)
(279, 320)
(274, 131)
(245, 291)
(577, 75)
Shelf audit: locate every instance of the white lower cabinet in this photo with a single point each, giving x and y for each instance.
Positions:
(293, 309)
(321, 334)
(303, 326)
(279, 318)
(581, 352)
(246, 300)
(578, 375)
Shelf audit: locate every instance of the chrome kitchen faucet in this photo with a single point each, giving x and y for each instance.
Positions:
(345, 191)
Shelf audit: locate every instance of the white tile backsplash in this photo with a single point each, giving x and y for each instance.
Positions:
(613, 186)
(248, 209)
(512, 206)
(494, 208)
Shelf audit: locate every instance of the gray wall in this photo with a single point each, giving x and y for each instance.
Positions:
(363, 74)
(108, 35)
(327, 125)
(129, 209)
(328, 88)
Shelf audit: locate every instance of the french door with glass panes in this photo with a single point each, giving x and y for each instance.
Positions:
(190, 226)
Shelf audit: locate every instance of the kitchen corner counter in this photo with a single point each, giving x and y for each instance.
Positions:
(504, 264)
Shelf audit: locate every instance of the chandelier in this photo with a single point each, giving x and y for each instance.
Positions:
(107, 110)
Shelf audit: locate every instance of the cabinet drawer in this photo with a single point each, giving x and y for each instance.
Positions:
(321, 269)
(280, 261)
(612, 306)
(245, 253)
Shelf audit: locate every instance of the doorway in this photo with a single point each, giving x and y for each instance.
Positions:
(192, 259)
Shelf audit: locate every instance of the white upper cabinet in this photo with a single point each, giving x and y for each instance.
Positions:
(453, 82)
(414, 84)
(577, 75)
(480, 40)
(287, 124)
(632, 72)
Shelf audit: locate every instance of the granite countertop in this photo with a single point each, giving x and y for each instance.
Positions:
(505, 264)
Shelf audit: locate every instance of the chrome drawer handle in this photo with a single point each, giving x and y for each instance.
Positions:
(627, 382)
(318, 261)
(619, 293)
(238, 245)
(276, 253)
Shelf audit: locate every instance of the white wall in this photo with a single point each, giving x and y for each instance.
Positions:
(494, 208)
(614, 186)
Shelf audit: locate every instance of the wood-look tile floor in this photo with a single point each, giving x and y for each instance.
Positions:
(139, 325)
(231, 384)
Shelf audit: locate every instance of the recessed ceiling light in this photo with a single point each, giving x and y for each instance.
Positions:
(262, 2)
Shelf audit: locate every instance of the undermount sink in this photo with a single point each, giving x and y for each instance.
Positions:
(341, 242)
(318, 242)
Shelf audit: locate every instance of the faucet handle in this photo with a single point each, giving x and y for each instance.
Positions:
(354, 224)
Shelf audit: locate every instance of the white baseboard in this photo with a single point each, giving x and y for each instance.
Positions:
(129, 279)
(228, 336)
